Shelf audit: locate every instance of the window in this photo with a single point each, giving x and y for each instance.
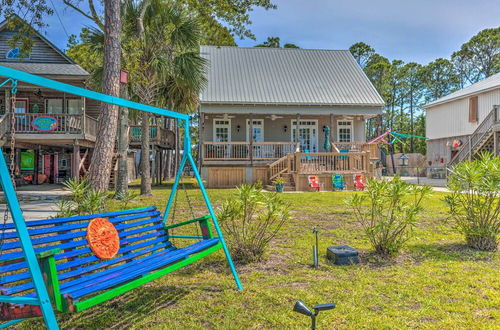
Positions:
(222, 130)
(473, 109)
(74, 106)
(54, 106)
(344, 131)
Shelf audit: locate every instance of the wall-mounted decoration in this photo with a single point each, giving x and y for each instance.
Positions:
(27, 160)
(456, 144)
(45, 123)
(14, 54)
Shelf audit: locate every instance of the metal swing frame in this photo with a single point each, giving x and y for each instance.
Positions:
(42, 298)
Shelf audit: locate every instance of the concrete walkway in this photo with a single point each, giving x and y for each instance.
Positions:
(37, 202)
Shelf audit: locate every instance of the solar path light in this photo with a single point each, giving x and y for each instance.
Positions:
(301, 308)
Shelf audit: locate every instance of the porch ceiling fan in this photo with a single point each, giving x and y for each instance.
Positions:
(274, 117)
(225, 117)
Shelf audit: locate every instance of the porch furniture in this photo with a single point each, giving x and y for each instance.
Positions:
(313, 182)
(359, 182)
(338, 181)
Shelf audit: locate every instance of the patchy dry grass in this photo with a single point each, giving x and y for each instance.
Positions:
(435, 283)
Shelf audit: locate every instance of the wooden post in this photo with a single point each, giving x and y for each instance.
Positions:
(75, 163)
(297, 132)
(250, 133)
(36, 167)
(297, 162)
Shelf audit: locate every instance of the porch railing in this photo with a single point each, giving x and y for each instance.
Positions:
(91, 125)
(64, 123)
(371, 149)
(156, 134)
(247, 151)
(330, 162)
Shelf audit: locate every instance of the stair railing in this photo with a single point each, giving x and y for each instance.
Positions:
(476, 137)
(280, 166)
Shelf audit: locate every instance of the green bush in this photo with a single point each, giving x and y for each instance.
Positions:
(250, 220)
(387, 211)
(474, 202)
(82, 200)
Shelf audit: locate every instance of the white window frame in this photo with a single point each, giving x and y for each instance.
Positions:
(292, 135)
(80, 109)
(248, 129)
(351, 127)
(215, 126)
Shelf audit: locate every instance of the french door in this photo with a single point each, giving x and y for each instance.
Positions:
(308, 135)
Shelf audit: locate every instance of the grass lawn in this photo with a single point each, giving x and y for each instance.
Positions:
(435, 283)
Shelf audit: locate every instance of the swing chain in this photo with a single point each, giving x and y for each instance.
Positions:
(12, 164)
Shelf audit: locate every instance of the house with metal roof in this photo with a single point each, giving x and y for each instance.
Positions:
(266, 108)
(464, 123)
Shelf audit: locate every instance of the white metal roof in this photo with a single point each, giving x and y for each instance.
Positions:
(482, 86)
(286, 76)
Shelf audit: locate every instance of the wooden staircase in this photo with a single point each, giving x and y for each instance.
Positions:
(282, 167)
(482, 139)
(289, 183)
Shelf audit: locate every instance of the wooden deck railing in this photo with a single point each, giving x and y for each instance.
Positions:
(247, 151)
(65, 123)
(330, 162)
(281, 166)
(156, 134)
(91, 125)
(371, 149)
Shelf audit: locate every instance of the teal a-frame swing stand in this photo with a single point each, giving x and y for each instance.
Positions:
(42, 275)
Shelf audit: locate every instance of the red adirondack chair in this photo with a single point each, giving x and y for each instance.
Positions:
(359, 182)
(313, 182)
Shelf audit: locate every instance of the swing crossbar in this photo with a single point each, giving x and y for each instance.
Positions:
(76, 279)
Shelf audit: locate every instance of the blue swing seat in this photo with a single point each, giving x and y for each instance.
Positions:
(80, 279)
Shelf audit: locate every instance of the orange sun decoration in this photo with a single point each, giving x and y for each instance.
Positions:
(103, 238)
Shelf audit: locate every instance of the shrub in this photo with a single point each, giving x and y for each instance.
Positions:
(82, 200)
(474, 202)
(251, 220)
(388, 211)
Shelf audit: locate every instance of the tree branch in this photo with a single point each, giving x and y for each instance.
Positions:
(94, 17)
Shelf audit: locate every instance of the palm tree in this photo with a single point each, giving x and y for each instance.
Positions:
(165, 68)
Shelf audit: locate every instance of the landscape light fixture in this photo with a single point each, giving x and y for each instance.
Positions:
(301, 308)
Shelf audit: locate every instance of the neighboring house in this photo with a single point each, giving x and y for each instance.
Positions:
(464, 123)
(256, 99)
(55, 132)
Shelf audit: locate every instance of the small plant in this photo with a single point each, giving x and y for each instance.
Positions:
(279, 183)
(388, 211)
(279, 180)
(82, 200)
(474, 202)
(251, 220)
(126, 198)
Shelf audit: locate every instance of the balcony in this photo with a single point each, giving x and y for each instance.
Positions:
(262, 151)
(38, 126)
(158, 135)
(244, 151)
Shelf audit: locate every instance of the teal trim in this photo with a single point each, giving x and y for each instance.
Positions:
(40, 81)
(19, 300)
(29, 252)
(6, 81)
(8, 324)
(174, 188)
(187, 151)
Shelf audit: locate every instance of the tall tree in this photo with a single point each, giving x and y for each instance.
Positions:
(275, 42)
(362, 53)
(413, 81)
(164, 64)
(440, 79)
(479, 58)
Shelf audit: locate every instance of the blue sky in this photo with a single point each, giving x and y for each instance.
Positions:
(417, 30)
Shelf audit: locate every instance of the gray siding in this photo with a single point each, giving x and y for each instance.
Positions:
(274, 129)
(451, 119)
(40, 53)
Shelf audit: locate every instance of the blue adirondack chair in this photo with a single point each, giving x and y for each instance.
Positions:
(338, 181)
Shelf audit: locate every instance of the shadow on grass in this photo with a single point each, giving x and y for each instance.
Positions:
(449, 251)
(131, 308)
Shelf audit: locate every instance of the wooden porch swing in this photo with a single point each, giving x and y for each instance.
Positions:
(73, 263)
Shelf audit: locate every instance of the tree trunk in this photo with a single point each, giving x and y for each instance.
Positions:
(123, 143)
(145, 164)
(100, 168)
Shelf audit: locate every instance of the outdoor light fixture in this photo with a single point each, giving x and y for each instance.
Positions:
(301, 308)
(238, 128)
(285, 128)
